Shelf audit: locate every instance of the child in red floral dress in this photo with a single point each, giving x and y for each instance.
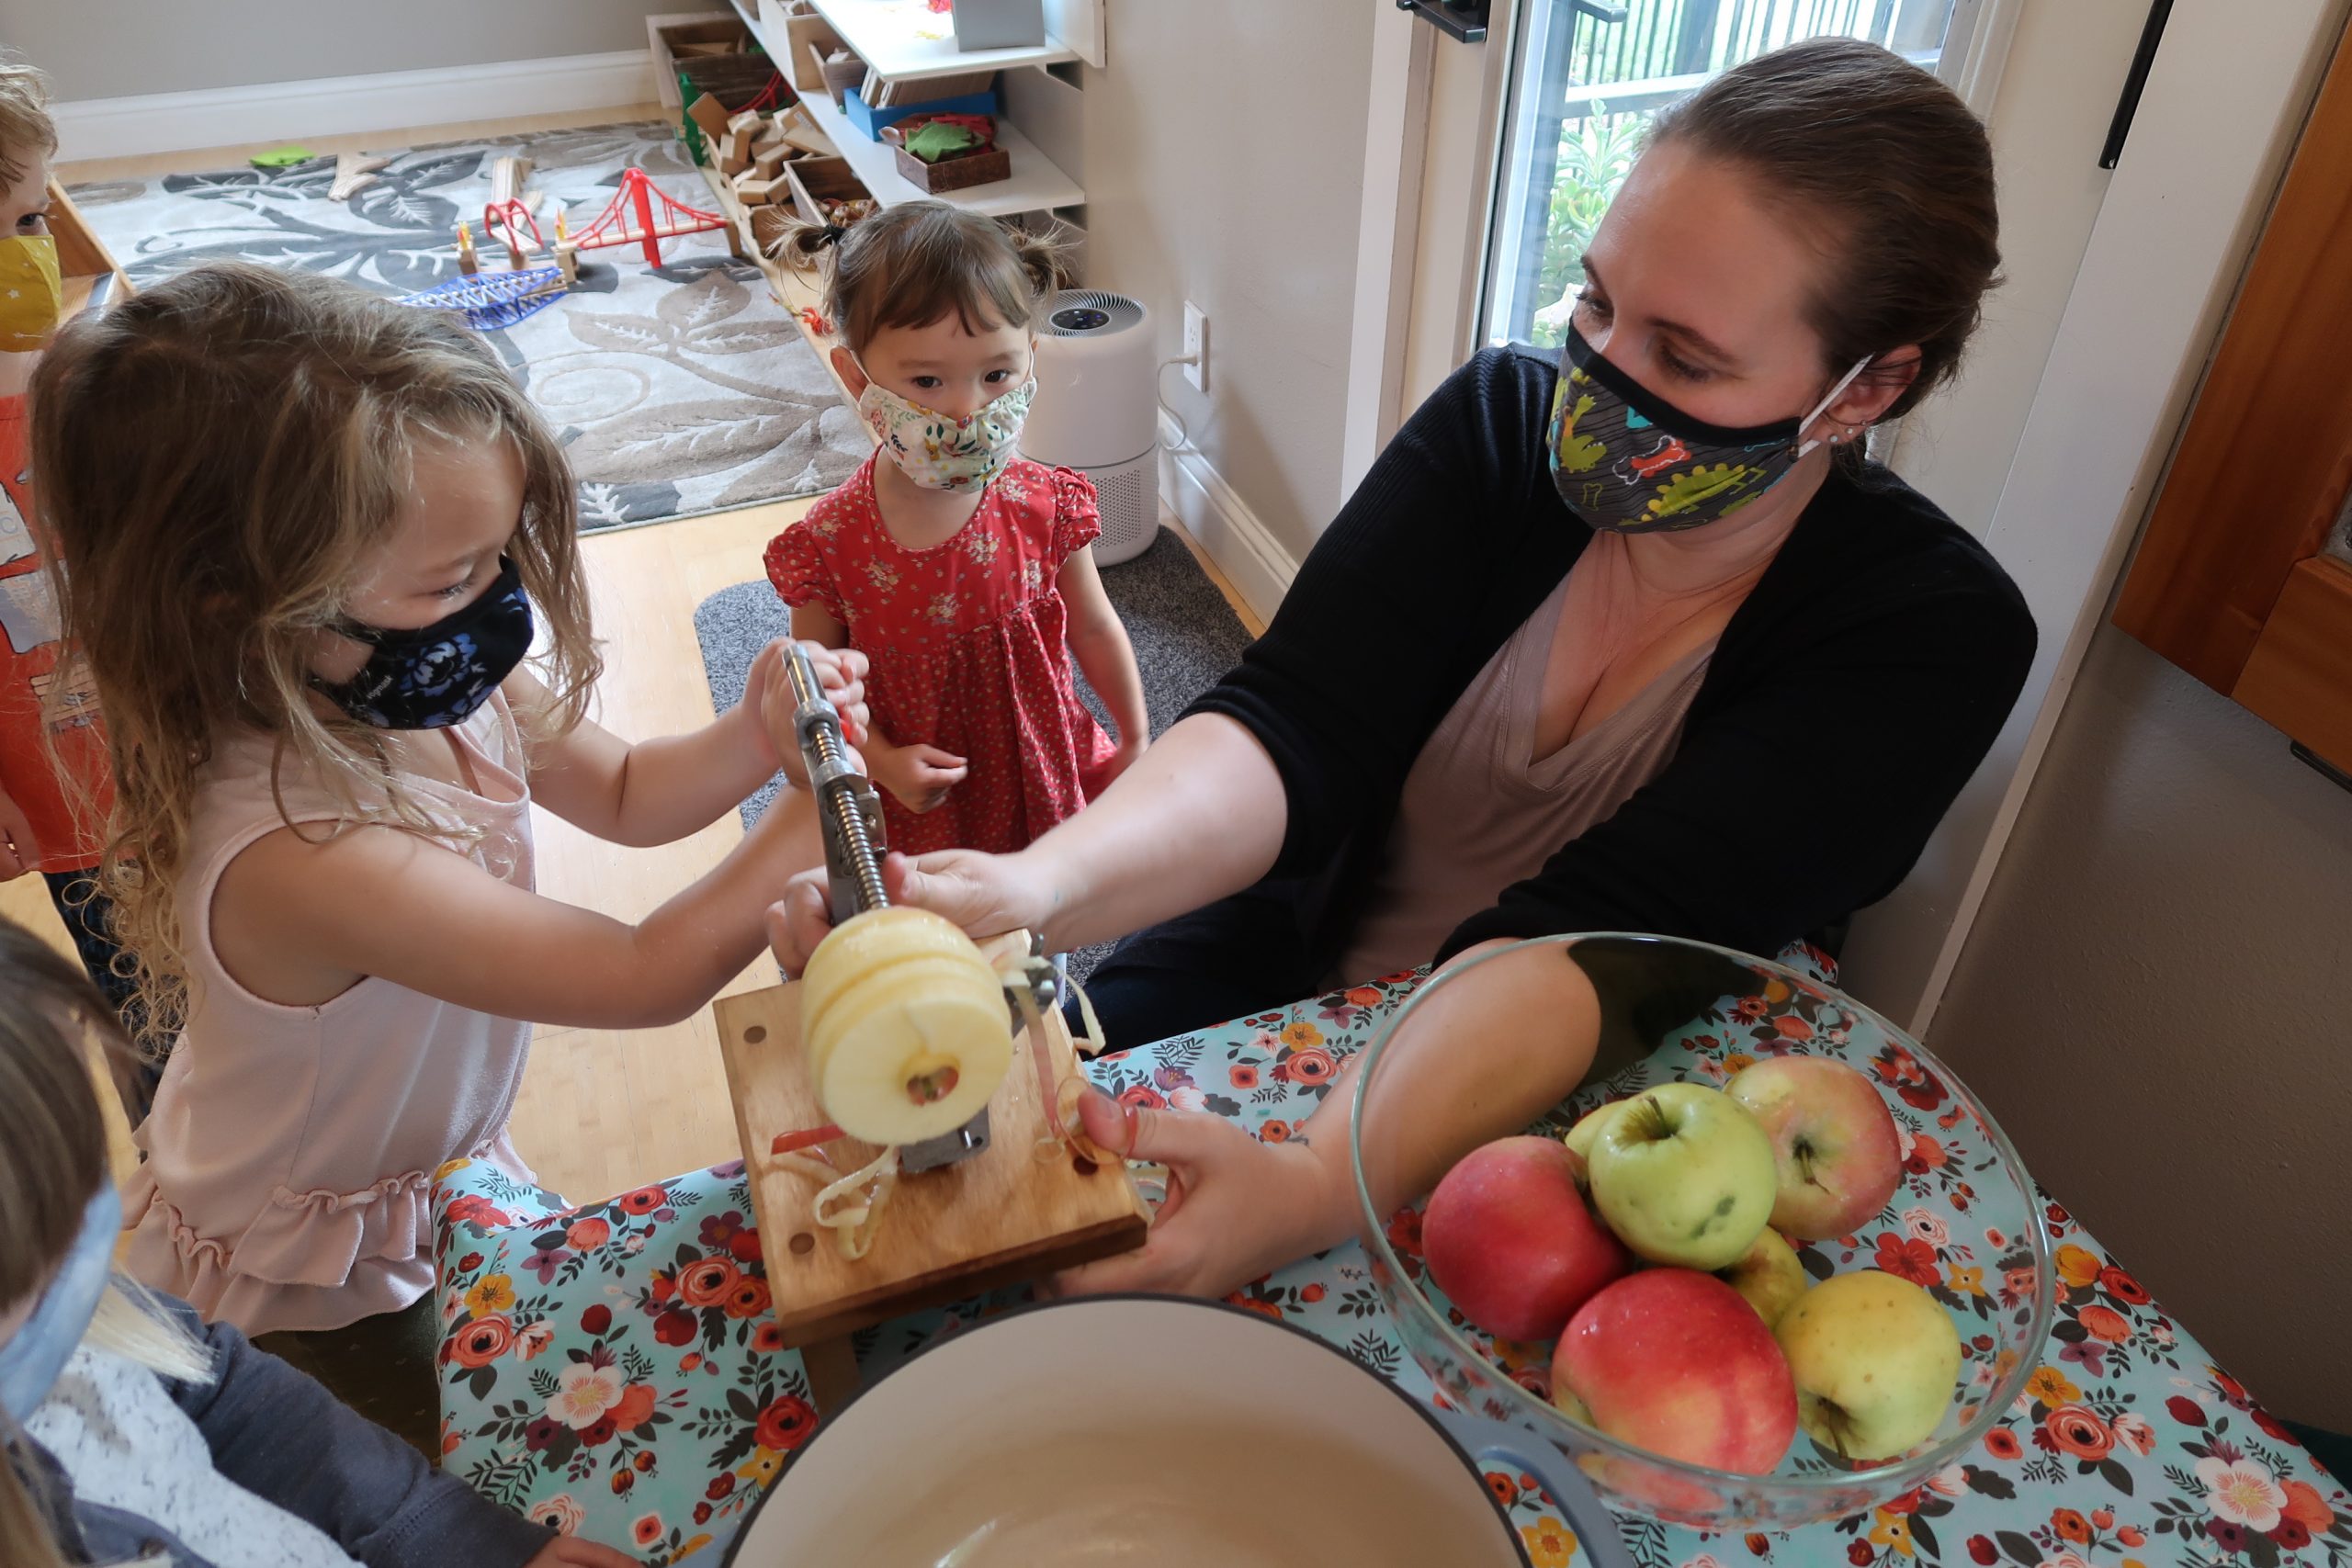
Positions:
(960, 569)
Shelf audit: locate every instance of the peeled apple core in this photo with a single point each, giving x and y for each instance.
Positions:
(904, 1026)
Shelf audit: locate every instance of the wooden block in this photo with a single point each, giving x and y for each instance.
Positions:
(1001, 1216)
(710, 116)
(755, 191)
(507, 175)
(745, 119)
(769, 165)
(803, 136)
(354, 172)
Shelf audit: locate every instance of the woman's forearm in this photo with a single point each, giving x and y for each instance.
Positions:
(1491, 1052)
(1201, 815)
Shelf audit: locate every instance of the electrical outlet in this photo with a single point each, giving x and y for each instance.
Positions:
(1196, 346)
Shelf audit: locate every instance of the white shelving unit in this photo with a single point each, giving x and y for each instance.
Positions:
(884, 35)
(905, 41)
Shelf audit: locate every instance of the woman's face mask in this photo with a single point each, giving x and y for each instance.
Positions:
(34, 1355)
(940, 453)
(1628, 460)
(432, 677)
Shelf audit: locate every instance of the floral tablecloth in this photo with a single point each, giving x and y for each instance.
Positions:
(2130, 1448)
(611, 1370)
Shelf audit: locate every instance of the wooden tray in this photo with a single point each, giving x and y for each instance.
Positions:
(1000, 1217)
(955, 174)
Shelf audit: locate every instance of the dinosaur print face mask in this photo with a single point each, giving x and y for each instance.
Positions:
(1628, 460)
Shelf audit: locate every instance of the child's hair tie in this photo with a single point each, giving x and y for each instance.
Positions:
(832, 233)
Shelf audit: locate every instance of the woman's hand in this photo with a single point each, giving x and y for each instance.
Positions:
(1236, 1209)
(986, 894)
(767, 698)
(570, 1551)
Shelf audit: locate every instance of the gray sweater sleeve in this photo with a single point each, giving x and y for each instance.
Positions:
(281, 1435)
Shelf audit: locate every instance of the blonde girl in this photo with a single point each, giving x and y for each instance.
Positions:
(306, 537)
(132, 1432)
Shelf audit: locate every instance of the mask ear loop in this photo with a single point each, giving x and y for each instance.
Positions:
(1820, 407)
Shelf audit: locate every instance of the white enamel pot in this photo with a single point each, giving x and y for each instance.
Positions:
(1148, 1431)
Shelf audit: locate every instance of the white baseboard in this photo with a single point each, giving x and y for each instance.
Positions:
(343, 105)
(1252, 559)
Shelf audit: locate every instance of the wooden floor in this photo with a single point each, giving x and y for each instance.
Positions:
(602, 1111)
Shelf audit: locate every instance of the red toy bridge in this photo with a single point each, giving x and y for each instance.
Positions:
(509, 221)
(635, 199)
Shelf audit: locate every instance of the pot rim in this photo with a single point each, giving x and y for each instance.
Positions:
(1428, 1417)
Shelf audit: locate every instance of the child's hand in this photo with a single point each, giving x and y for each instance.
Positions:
(767, 698)
(919, 775)
(17, 851)
(570, 1551)
(1125, 757)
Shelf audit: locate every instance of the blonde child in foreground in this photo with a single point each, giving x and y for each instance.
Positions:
(961, 571)
(306, 537)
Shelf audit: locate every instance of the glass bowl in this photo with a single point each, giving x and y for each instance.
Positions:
(1966, 1223)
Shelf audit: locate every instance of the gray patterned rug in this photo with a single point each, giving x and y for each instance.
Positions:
(680, 389)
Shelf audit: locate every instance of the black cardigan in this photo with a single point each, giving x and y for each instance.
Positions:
(1849, 699)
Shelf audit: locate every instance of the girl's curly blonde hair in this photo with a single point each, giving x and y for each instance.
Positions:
(213, 459)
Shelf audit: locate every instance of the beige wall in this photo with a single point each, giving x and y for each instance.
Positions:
(2065, 66)
(110, 49)
(1222, 151)
(2157, 1004)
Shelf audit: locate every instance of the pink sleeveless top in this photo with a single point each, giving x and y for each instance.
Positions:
(291, 1149)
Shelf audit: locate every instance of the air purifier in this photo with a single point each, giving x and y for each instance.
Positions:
(1097, 411)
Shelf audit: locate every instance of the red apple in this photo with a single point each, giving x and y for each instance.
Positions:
(1837, 1154)
(1674, 1361)
(1507, 1236)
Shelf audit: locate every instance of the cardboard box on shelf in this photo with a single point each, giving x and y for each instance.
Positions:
(687, 35)
(815, 182)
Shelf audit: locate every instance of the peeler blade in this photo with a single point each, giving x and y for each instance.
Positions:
(948, 1148)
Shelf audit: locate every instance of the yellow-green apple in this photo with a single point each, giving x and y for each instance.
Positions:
(1837, 1154)
(1580, 1136)
(1875, 1360)
(1769, 1275)
(1683, 1175)
(1578, 1142)
(1673, 1360)
(1508, 1237)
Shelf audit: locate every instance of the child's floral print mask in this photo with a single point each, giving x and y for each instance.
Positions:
(1628, 460)
(940, 453)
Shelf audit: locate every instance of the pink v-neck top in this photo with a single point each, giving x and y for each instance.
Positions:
(1481, 811)
(291, 1151)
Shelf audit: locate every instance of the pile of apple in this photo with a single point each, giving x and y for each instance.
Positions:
(1650, 1244)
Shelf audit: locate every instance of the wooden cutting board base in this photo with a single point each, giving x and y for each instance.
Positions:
(1008, 1215)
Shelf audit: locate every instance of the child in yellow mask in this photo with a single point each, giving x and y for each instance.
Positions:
(55, 791)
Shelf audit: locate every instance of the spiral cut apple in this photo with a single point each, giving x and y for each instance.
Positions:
(904, 1026)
